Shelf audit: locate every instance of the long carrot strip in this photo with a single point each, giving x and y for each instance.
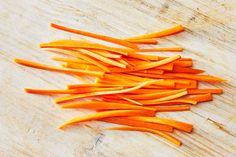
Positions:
(172, 108)
(124, 121)
(205, 78)
(58, 69)
(106, 54)
(176, 124)
(162, 134)
(178, 69)
(106, 114)
(143, 41)
(204, 91)
(130, 100)
(162, 33)
(201, 98)
(97, 36)
(183, 63)
(156, 64)
(96, 105)
(169, 102)
(72, 86)
(73, 97)
(162, 49)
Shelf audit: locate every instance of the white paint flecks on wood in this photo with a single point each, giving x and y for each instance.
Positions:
(28, 123)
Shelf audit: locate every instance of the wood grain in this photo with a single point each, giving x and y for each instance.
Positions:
(28, 123)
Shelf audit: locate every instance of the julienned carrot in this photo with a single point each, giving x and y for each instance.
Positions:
(83, 57)
(156, 64)
(72, 86)
(97, 36)
(58, 69)
(124, 121)
(160, 133)
(96, 105)
(183, 63)
(78, 96)
(142, 57)
(176, 124)
(102, 58)
(169, 102)
(106, 54)
(206, 78)
(172, 108)
(204, 91)
(165, 32)
(201, 98)
(143, 41)
(178, 69)
(130, 100)
(76, 44)
(68, 91)
(162, 49)
(106, 114)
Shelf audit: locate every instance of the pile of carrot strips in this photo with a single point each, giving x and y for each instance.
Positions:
(129, 88)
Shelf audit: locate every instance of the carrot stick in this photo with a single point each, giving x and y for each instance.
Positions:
(130, 100)
(58, 69)
(73, 44)
(143, 41)
(183, 63)
(169, 102)
(124, 121)
(72, 86)
(176, 124)
(172, 108)
(205, 78)
(204, 91)
(160, 133)
(97, 36)
(178, 69)
(106, 114)
(162, 49)
(96, 105)
(156, 64)
(201, 98)
(162, 33)
(106, 54)
(78, 96)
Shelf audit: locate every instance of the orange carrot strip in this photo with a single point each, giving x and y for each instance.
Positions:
(201, 98)
(143, 41)
(156, 64)
(142, 57)
(97, 105)
(101, 58)
(73, 60)
(162, 33)
(72, 86)
(176, 124)
(183, 63)
(172, 108)
(206, 78)
(151, 75)
(124, 121)
(155, 95)
(169, 102)
(181, 59)
(106, 114)
(152, 71)
(162, 49)
(168, 66)
(78, 96)
(58, 69)
(160, 133)
(204, 91)
(130, 100)
(80, 44)
(179, 69)
(83, 57)
(97, 36)
(193, 84)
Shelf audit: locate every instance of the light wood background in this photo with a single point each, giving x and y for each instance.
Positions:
(28, 123)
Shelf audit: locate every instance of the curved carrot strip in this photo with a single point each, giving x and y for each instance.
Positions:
(124, 121)
(106, 114)
(162, 49)
(176, 124)
(73, 97)
(162, 33)
(58, 69)
(206, 78)
(156, 64)
(130, 100)
(97, 105)
(162, 134)
(80, 44)
(97, 36)
(143, 41)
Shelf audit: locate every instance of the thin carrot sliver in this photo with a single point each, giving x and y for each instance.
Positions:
(178, 69)
(106, 114)
(124, 121)
(97, 36)
(204, 91)
(58, 69)
(176, 124)
(162, 33)
(143, 41)
(160, 133)
(172, 108)
(162, 49)
(201, 98)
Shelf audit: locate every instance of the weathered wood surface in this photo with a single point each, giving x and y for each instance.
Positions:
(28, 123)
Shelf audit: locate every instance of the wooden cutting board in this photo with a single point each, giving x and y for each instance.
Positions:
(28, 123)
